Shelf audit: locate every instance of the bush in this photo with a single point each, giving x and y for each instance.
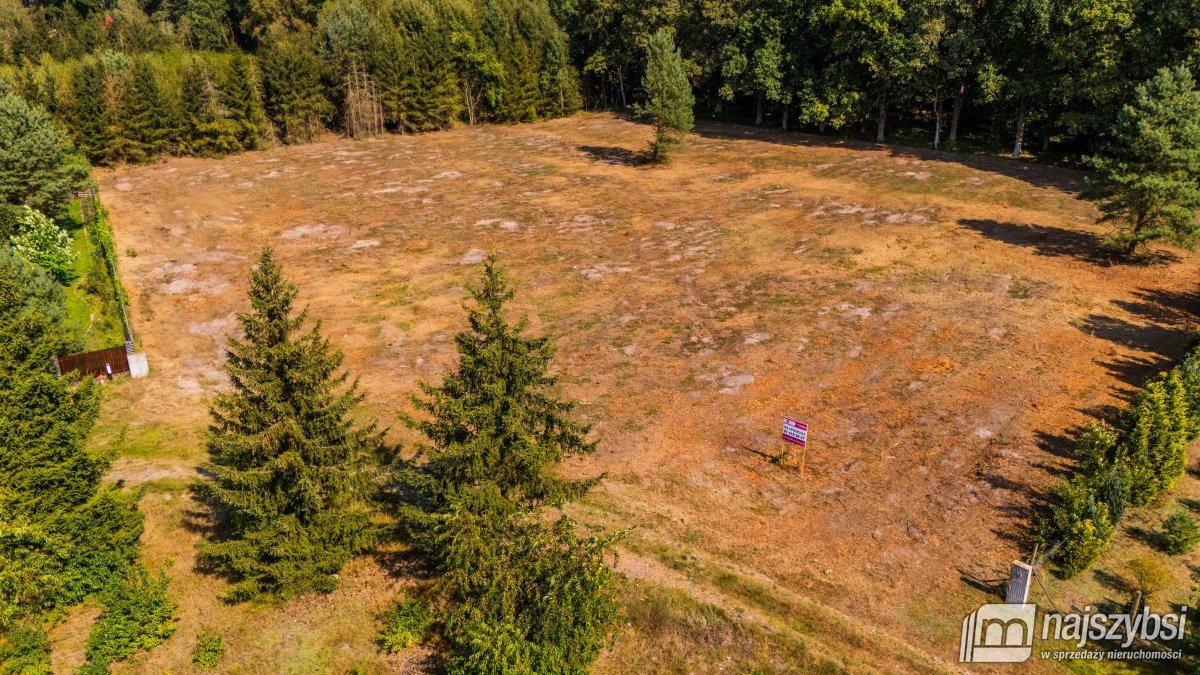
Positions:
(138, 614)
(1095, 446)
(1112, 489)
(208, 650)
(406, 624)
(1155, 445)
(1180, 534)
(1081, 522)
(1148, 577)
(40, 242)
(24, 650)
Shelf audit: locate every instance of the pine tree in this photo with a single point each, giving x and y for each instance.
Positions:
(290, 469)
(38, 165)
(239, 90)
(151, 116)
(1151, 171)
(669, 97)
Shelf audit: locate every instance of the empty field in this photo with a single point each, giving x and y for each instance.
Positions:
(940, 322)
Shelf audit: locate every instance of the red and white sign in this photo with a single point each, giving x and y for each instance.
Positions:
(795, 432)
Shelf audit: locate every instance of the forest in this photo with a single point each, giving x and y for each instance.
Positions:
(209, 77)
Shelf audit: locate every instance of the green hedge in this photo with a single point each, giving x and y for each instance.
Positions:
(1129, 463)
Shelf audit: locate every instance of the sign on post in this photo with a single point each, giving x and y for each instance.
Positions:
(795, 432)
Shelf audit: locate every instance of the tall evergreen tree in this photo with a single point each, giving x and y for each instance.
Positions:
(1151, 171)
(519, 96)
(151, 115)
(419, 90)
(525, 595)
(293, 95)
(290, 469)
(87, 109)
(207, 128)
(495, 429)
(239, 90)
(38, 166)
(669, 97)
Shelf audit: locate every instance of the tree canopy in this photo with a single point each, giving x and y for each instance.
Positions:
(1151, 168)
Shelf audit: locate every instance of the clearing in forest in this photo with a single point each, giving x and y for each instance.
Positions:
(939, 321)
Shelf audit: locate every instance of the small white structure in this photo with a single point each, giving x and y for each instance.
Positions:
(139, 366)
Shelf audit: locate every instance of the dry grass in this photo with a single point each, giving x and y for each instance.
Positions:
(939, 322)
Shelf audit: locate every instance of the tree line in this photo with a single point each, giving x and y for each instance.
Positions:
(65, 536)
(168, 80)
(1051, 75)
(1019, 73)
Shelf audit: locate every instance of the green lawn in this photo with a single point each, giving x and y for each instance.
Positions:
(95, 318)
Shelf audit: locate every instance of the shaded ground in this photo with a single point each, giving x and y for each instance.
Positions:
(938, 325)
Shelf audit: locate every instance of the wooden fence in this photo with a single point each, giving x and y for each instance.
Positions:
(97, 363)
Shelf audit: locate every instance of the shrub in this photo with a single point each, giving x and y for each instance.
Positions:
(1095, 446)
(24, 650)
(208, 650)
(406, 624)
(138, 614)
(1081, 523)
(1112, 490)
(1148, 577)
(1180, 534)
(39, 241)
(1156, 443)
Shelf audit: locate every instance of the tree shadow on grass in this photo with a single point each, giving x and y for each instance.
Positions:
(1059, 445)
(1112, 582)
(1039, 175)
(1190, 504)
(995, 587)
(615, 155)
(1149, 537)
(1059, 242)
(1045, 240)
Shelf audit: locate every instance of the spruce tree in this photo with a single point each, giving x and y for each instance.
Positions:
(519, 96)
(293, 95)
(495, 429)
(87, 109)
(239, 91)
(206, 132)
(669, 97)
(151, 115)
(290, 472)
(418, 88)
(525, 595)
